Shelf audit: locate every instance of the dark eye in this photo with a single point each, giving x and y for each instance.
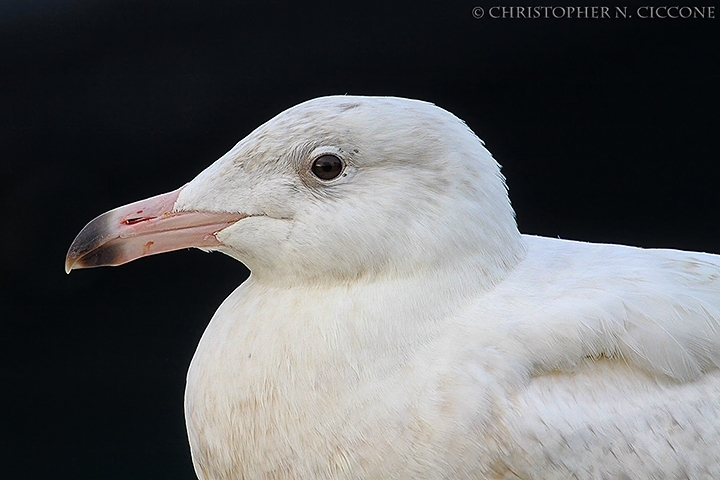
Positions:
(327, 167)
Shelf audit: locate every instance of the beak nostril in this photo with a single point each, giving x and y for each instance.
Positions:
(134, 220)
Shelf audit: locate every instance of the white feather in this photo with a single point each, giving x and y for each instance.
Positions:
(397, 325)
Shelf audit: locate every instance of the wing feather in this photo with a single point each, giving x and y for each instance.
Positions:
(657, 309)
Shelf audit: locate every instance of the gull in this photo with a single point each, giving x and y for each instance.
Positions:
(396, 324)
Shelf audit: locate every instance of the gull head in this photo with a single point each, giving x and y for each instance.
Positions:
(338, 188)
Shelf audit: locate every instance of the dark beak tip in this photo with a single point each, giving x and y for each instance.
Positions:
(107, 254)
(90, 247)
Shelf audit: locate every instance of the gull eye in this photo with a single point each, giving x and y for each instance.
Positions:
(327, 167)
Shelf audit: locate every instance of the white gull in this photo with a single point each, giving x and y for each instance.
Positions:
(397, 325)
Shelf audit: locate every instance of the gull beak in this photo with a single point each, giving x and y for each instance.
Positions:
(145, 228)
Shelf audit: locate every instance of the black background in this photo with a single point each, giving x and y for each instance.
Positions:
(607, 130)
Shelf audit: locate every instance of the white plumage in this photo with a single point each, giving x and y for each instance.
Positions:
(397, 324)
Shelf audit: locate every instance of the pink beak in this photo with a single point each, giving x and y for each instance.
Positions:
(145, 228)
